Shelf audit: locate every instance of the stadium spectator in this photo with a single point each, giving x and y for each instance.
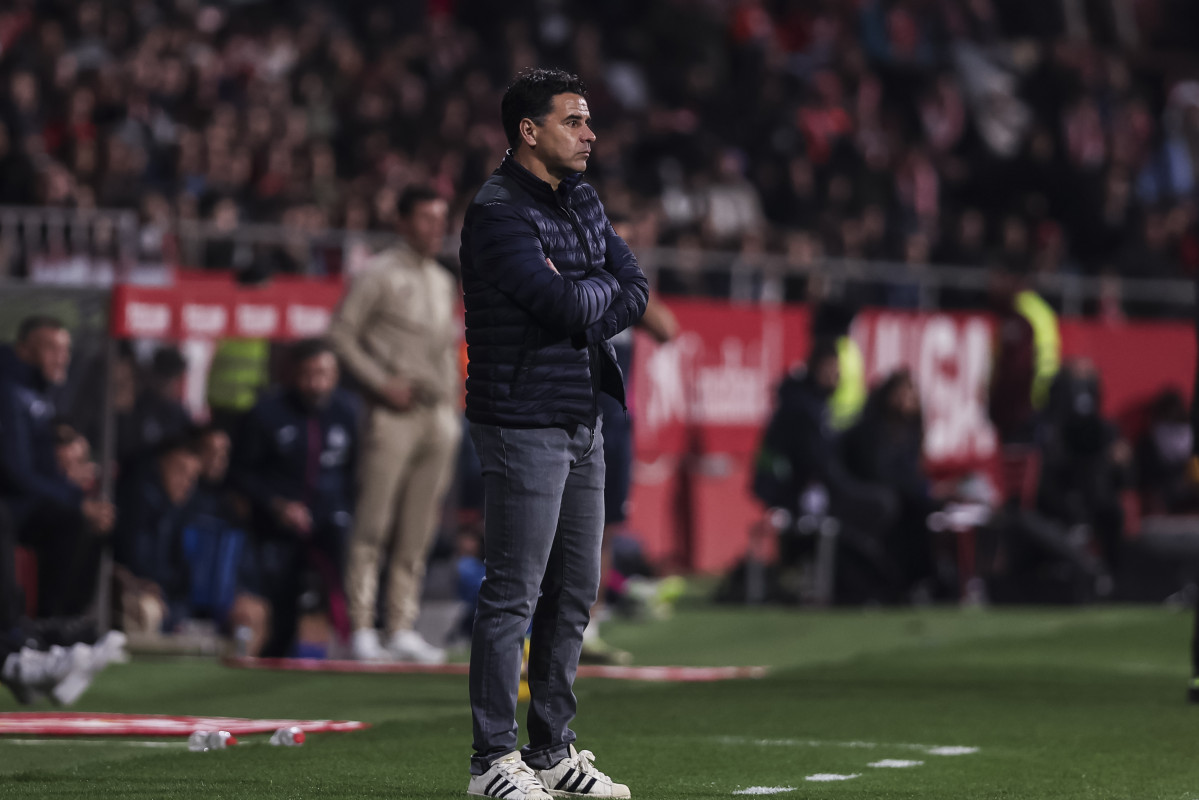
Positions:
(53, 515)
(158, 414)
(219, 555)
(397, 335)
(1163, 454)
(1086, 463)
(886, 447)
(239, 371)
(154, 498)
(293, 459)
(912, 107)
(1027, 357)
(800, 470)
(56, 656)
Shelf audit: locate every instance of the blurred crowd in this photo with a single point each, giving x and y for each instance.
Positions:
(1030, 135)
(1054, 518)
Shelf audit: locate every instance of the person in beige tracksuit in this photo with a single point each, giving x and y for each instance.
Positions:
(396, 333)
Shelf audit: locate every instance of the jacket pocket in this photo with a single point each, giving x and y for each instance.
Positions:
(520, 378)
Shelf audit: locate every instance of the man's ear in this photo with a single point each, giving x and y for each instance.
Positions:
(528, 132)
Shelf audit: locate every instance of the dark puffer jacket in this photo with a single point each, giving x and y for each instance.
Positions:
(537, 340)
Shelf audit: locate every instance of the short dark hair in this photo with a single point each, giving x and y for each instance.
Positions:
(413, 196)
(65, 433)
(531, 96)
(824, 348)
(306, 349)
(168, 363)
(36, 322)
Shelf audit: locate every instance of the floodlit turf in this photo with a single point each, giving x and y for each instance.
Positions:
(1063, 703)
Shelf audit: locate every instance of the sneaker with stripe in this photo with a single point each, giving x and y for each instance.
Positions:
(509, 778)
(576, 776)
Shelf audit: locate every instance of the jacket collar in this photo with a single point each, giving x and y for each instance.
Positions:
(537, 187)
(17, 371)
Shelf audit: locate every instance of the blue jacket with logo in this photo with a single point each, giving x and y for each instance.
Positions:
(29, 473)
(285, 450)
(537, 341)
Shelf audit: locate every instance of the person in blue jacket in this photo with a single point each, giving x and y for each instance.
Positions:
(293, 460)
(547, 283)
(156, 496)
(53, 516)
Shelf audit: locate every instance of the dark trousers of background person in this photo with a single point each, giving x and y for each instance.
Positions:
(287, 567)
(866, 513)
(544, 525)
(11, 597)
(68, 558)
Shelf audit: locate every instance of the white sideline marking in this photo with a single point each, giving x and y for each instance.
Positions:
(766, 790)
(952, 751)
(930, 749)
(894, 763)
(829, 776)
(121, 743)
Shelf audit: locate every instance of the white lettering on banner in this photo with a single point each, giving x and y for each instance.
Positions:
(950, 360)
(735, 390)
(667, 384)
(308, 320)
(204, 320)
(732, 392)
(152, 320)
(257, 320)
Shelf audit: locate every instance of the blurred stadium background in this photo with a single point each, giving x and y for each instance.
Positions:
(186, 173)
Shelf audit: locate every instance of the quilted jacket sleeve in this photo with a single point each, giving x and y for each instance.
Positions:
(629, 304)
(508, 255)
(19, 475)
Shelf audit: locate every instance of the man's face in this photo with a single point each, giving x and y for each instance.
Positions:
(180, 469)
(424, 229)
(75, 462)
(563, 142)
(48, 350)
(316, 378)
(828, 374)
(214, 456)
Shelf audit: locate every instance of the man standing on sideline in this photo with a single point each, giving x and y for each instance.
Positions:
(397, 334)
(547, 283)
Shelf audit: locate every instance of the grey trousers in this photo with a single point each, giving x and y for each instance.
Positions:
(544, 521)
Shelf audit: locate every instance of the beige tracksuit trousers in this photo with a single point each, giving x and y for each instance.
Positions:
(407, 462)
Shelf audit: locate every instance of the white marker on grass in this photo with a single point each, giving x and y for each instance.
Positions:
(952, 751)
(766, 790)
(821, 777)
(894, 763)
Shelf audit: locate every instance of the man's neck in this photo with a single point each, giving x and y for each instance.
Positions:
(526, 159)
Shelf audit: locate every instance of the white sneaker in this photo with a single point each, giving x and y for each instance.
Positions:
(576, 776)
(63, 673)
(411, 646)
(365, 646)
(110, 649)
(84, 664)
(510, 778)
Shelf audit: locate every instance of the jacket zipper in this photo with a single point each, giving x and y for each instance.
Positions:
(592, 350)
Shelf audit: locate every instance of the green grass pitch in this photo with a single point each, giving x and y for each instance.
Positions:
(1061, 703)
